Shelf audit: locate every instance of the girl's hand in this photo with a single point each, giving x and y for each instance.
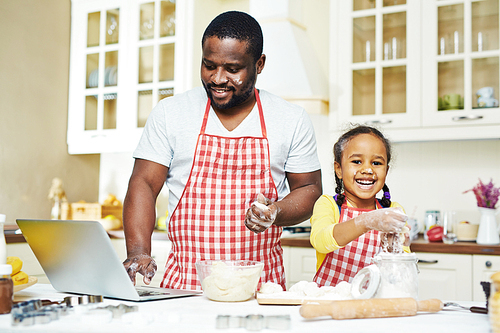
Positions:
(385, 220)
(261, 215)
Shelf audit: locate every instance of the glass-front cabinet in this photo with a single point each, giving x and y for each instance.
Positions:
(421, 70)
(461, 53)
(125, 57)
(378, 65)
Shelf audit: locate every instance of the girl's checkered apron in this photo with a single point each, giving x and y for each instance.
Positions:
(208, 222)
(344, 263)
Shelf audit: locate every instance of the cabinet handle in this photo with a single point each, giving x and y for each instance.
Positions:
(469, 117)
(488, 264)
(375, 122)
(427, 261)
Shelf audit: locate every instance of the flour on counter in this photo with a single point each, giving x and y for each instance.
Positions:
(307, 290)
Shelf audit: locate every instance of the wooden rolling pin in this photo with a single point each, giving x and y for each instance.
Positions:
(369, 308)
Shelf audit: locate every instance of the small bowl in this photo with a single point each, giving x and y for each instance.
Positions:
(229, 280)
(466, 231)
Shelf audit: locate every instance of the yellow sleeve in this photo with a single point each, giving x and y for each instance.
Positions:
(395, 204)
(324, 218)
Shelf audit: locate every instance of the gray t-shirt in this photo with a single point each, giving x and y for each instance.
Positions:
(172, 129)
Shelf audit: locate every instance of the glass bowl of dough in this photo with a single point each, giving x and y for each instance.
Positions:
(229, 280)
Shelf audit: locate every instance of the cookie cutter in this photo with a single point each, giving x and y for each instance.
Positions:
(253, 322)
(34, 312)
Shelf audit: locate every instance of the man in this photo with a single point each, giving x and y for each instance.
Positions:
(220, 149)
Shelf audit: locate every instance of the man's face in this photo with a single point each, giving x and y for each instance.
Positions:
(228, 72)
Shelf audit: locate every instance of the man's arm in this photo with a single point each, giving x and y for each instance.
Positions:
(139, 217)
(297, 206)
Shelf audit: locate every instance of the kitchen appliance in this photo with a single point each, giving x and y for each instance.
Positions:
(78, 257)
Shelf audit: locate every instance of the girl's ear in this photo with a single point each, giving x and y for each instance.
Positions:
(338, 169)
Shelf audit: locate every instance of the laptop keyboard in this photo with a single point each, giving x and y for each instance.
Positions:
(143, 292)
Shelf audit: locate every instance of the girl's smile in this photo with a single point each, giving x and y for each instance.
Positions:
(363, 169)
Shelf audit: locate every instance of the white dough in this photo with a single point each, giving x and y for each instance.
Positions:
(270, 288)
(260, 205)
(231, 285)
(304, 290)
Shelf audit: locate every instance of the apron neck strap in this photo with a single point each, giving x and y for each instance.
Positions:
(259, 106)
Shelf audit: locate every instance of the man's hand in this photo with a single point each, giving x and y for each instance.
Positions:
(261, 215)
(143, 264)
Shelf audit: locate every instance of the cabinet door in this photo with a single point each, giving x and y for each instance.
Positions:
(300, 264)
(125, 57)
(445, 276)
(461, 64)
(483, 267)
(97, 99)
(377, 55)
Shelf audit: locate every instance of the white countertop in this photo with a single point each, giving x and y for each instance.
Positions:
(198, 314)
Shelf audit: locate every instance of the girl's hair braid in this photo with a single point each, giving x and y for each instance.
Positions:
(340, 186)
(339, 147)
(386, 199)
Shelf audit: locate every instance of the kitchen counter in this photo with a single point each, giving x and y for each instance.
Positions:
(198, 314)
(419, 245)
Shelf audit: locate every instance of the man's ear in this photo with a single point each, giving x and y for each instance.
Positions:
(338, 169)
(260, 63)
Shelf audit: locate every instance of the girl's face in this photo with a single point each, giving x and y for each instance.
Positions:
(363, 169)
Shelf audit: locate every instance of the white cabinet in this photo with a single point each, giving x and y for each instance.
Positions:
(445, 276)
(126, 55)
(378, 60)
(461, 56)
(482, 269)
(300, 264)
(445, 52)
(455, 277)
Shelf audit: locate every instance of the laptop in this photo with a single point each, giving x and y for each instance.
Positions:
(78, 257)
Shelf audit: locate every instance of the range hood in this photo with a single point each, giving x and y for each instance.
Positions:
(292, 69)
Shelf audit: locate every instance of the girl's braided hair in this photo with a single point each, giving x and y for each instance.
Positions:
(338, 149)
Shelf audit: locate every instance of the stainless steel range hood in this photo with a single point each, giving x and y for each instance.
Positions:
(292, 69)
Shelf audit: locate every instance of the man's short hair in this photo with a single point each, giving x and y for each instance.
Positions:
(238, 25)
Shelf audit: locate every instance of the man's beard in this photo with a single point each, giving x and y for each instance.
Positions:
(235, 99)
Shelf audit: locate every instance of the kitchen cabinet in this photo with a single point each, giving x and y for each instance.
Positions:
(125, 57)
(455, 276)
(414, 67)
(445, 276)
(300, 264)
(482, 269)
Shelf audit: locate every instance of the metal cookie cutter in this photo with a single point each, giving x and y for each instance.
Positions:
(253, 322)
(82, 300)
(34, 312)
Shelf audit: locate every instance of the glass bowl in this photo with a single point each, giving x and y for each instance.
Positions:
(229, 280)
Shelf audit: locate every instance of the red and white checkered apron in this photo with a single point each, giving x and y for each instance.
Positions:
(208, 222)
(344, 263)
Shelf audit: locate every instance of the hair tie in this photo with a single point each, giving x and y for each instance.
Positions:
(387, 195)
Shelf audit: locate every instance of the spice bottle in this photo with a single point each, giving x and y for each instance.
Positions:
(6, 289)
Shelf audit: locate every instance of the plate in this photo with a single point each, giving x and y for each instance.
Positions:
(31, 281)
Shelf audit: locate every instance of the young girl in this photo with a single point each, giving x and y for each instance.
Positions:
(347, 229)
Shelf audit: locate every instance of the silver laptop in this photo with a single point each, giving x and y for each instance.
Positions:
(78, 257)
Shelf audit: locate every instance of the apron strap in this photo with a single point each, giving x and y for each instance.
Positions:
(259, 106)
